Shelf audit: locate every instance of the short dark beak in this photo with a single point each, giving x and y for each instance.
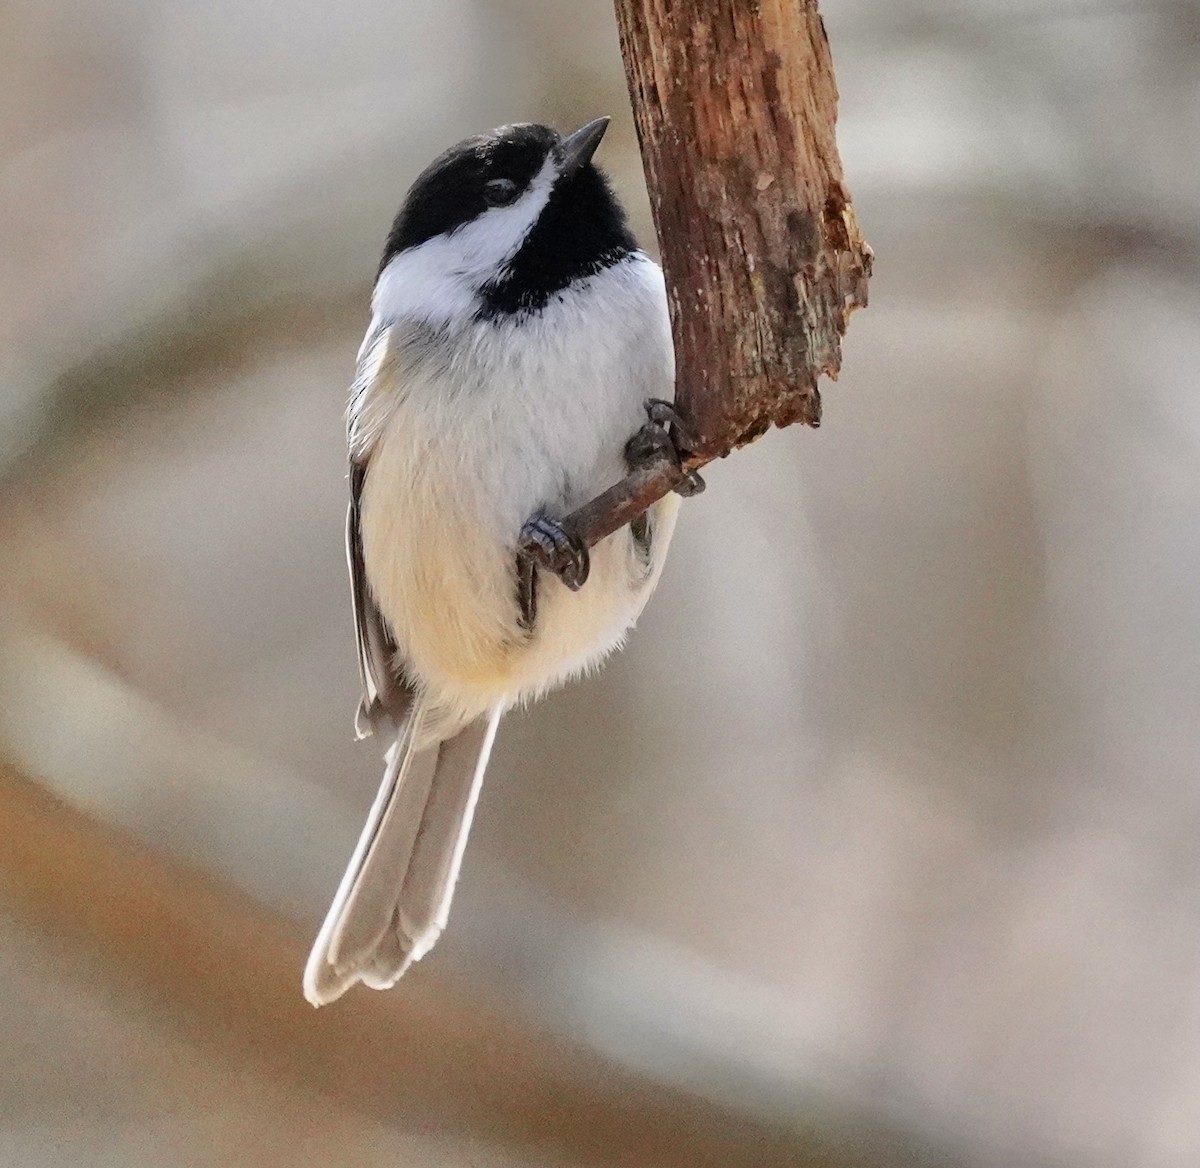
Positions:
(578, 148)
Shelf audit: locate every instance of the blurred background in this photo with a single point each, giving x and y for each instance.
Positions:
(877, 845)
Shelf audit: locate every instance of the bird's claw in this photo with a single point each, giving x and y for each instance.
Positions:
(665, 432)
(665, 413)
(547, 543)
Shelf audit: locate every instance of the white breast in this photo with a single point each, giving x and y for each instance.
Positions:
(483, 428)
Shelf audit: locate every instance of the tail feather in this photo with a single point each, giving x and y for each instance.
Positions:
(393, 901)
(371, 899)
(438, 851)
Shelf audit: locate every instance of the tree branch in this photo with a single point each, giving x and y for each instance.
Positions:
(736, 106)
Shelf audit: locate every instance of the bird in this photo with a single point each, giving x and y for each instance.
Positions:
(518, 362)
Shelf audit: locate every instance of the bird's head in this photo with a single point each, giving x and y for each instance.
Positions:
(499, 224)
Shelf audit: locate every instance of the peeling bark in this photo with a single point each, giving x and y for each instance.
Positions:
(736, 105)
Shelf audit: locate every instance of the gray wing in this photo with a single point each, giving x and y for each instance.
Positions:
(387, 696)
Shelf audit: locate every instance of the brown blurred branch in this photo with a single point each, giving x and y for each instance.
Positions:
(736, 106)
(430, 1057)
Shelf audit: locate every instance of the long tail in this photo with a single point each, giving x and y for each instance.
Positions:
(393, 901)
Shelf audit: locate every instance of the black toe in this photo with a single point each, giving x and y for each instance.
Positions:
(549, 545)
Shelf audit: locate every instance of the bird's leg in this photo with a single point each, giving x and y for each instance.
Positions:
(552, 545)
(665, 432)
(548, 543)
(527, 591)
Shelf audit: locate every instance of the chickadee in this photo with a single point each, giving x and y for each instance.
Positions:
(517, 336)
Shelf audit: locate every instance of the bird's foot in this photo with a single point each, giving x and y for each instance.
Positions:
(549, 544)
(665, 432)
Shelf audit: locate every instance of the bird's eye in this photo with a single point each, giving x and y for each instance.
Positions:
(499, 192)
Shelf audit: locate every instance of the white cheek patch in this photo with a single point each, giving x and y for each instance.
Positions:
(439, 281)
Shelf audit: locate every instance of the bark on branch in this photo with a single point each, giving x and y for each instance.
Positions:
(736, 105)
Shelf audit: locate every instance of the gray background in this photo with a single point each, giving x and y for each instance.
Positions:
(891, 805)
